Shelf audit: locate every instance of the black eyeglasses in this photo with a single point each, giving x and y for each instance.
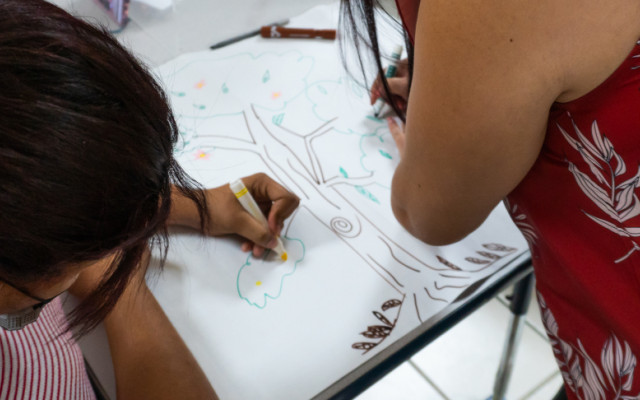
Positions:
(22, 318)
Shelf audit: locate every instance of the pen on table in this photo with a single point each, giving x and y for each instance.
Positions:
(244, 36)
(280, 32)
(391, 71)
(248, 203)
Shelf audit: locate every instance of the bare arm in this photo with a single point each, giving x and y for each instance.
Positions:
(485, 76)
(150, 359)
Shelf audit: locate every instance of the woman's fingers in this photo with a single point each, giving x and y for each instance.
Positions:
(283, 202)
(398, 84)
(396, 127)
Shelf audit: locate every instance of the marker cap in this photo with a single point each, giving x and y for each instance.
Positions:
(397, 52)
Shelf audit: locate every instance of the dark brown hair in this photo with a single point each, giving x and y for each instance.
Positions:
(86, 153)
(359, 31)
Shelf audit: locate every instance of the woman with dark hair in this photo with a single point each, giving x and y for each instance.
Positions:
(88, 183)
(537, 103)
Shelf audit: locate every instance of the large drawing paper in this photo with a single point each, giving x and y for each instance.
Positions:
(355, 280)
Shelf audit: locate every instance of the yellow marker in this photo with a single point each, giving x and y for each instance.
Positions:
(246, 200)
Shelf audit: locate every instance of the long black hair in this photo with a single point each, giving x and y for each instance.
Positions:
(86, 154)
(360, 31)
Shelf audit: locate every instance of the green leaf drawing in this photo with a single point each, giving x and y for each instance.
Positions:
(277, 119)
(367, 194)
(224, 88)
(343, 172)
(385, 154)
(266, 77)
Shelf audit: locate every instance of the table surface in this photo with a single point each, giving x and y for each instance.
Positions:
(158, 35)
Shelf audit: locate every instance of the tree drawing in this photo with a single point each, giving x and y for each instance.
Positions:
(306, 128)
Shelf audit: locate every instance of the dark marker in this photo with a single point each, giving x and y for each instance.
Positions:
(244, 36)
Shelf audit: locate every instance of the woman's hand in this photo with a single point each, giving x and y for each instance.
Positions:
(228, 217)
(396, 127)
(398, 85)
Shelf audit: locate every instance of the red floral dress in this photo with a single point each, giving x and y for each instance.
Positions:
(578, 209)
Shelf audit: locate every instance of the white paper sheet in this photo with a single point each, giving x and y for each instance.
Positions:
(355, 280)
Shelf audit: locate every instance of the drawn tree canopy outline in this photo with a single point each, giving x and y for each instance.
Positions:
(257, 283)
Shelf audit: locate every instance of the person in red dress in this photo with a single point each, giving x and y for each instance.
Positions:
(537, 104)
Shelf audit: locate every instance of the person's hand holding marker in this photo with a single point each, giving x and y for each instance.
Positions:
(397, 76)
(251, 206)
(398, 85)
(229, 217)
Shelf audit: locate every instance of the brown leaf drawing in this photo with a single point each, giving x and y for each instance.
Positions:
(477, 260)
(383, 329)
(448, 264)
(375, 334)
(497, 247)
(390, 304)
(363, 346)
(487, 254)
(382, 318)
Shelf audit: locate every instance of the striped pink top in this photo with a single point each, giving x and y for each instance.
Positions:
(39, 363)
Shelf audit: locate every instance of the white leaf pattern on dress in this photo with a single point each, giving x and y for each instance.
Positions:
(617, 200)
(636, 56)
(520, 219)
(588, 380)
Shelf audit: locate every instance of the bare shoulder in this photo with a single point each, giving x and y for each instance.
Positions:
(571, 45)
(600, 36)
(486, 73)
